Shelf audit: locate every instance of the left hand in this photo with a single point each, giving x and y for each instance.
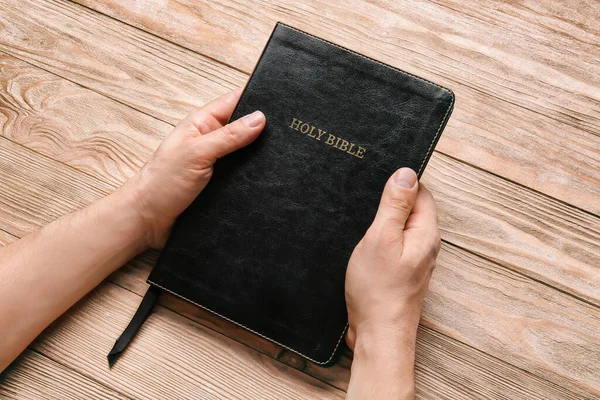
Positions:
(183, 164)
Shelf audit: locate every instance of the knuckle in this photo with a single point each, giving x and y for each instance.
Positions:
(195, 124)
(202, 127)
(362, 245)
(367, 241)
(228, 132)
(399, 203)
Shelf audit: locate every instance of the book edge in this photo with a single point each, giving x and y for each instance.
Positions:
(448, 91)
(255, 332)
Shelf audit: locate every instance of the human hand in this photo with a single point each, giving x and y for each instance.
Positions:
(183, 164)
(387, 278)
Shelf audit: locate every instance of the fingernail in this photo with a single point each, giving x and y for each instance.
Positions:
(255, 119)
(406, 178)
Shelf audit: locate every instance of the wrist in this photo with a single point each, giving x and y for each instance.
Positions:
(395, 321)
(127, 200)
(375, 342)
(384, 355)
(383, 364)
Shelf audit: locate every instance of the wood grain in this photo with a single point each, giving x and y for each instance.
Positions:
(447, 369)
(523, 230)
(457, 183)
(512, 115)
(527, 52)
(527, 84)
(74, 125)
(493, 246)
(563, 313)
(523, 322)
(489, 332)
(35, 376)
(171, 357)
(150, 74)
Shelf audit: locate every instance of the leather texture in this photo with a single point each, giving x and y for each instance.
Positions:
(267, 242)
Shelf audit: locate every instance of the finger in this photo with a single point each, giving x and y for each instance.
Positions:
(398, 197)
(214, 114)
(396, 205)
(232, 136)
(424, 212)
(422, 226)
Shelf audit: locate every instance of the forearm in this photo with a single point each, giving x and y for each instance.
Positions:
(383, 365)
(45, 273)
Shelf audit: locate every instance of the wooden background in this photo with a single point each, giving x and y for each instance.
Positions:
(88, 88)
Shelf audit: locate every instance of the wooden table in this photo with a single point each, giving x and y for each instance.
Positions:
(88, 88)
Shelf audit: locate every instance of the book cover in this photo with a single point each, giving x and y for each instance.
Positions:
(266, 244)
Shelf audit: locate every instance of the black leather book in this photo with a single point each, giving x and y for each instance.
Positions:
(266, 244)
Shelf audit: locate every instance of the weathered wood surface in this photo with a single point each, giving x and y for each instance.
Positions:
(48, 94)
(513, 308)
(172, 356)
(138, 69)
(525, 75)
(35, 376)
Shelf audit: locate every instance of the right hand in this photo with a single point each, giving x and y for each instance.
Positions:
(386, 280)
(389, 270)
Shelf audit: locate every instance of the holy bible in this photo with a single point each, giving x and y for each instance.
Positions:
(266, 243)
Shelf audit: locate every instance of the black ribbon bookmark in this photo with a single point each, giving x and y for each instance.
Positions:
(142, 313)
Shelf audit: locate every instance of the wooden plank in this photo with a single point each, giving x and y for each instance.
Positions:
(441, 312)
(460, 372)
(34, 376)
(35, 192)
(531, 53)
(171, 356)
(524, 73)
(152, 75)
(523, 322)
(74, 125)
(512, 115)
(517, 228)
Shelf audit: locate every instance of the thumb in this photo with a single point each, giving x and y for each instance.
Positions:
(232, 136)
(397, 200)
